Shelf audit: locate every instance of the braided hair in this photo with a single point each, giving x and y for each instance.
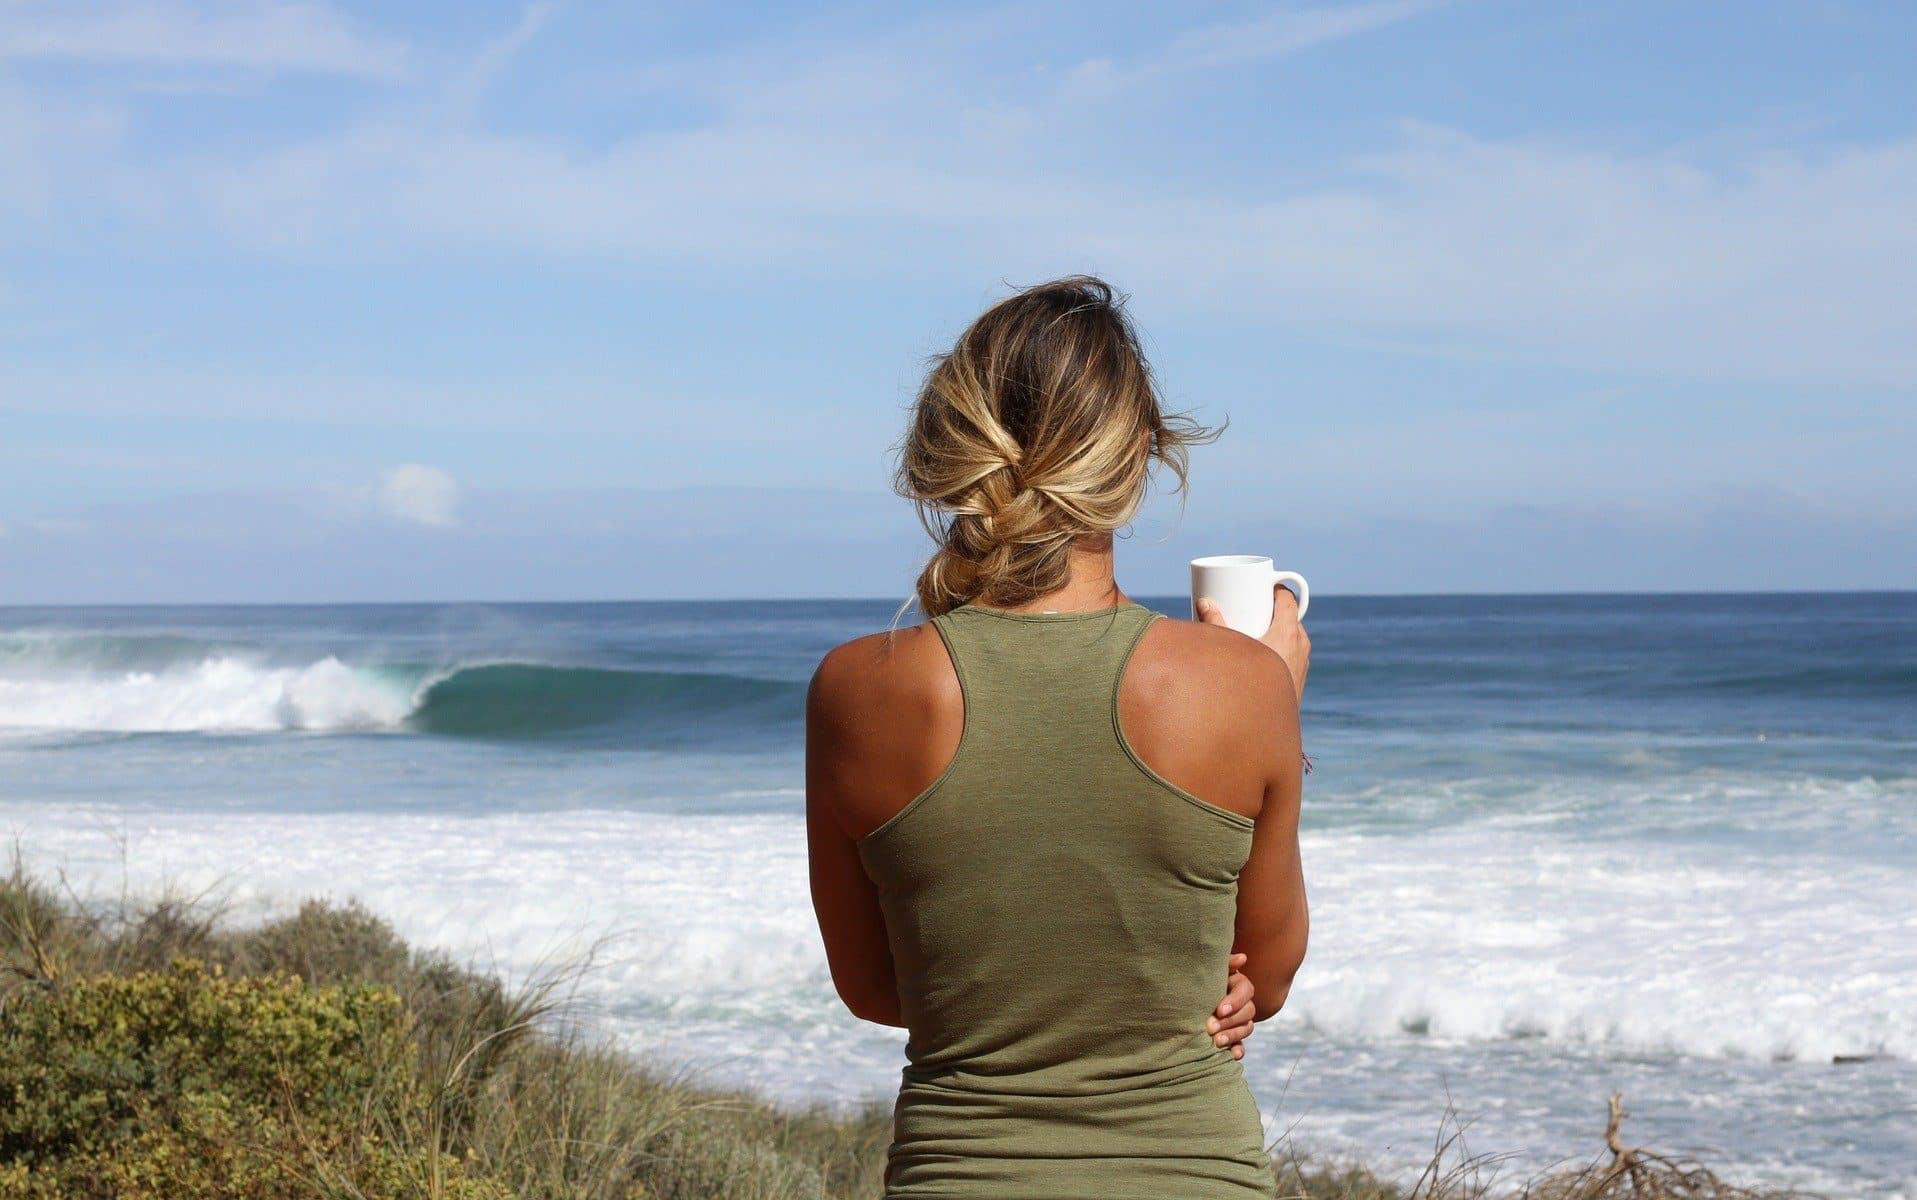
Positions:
(1041, 426)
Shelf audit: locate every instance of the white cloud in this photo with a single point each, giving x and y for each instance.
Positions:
(274, 35)
(418, 494)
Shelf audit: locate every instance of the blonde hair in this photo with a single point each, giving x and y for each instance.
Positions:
(1041, 426)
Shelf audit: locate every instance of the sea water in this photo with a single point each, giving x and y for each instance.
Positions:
(1556, 847)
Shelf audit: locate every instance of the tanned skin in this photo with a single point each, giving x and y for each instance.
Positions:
(1213, 711)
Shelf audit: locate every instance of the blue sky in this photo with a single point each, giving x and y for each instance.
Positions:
(314, 302)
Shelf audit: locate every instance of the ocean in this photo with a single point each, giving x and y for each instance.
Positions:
(1556, 846)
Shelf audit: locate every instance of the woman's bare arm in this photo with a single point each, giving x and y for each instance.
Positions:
(1274, 920)
(843, 897)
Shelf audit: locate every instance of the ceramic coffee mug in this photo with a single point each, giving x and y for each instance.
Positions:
(1240, 584)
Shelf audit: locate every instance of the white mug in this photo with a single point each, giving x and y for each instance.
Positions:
(1241, 586)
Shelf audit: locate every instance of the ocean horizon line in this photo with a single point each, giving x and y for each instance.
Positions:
(1317, 594)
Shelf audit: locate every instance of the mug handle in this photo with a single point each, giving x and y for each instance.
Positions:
(1299, 587)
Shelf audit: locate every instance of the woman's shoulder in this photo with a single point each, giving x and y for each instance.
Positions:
(1209, 657)
(1206, 707)
(1206, 684)
(883, 718)
(900, 671)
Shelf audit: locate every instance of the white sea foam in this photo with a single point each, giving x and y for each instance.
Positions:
(1484, 934)
(1477, 934)
(220, 693)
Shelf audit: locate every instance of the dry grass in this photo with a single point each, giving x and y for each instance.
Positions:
(507, 1099)
(1619, 1172)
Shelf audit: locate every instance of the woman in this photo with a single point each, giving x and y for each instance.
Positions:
(1045, 825)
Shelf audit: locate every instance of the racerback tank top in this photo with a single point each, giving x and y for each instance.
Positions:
(1059, 917)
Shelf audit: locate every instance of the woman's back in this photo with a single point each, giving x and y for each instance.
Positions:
(1059, 914)
(1009, 851)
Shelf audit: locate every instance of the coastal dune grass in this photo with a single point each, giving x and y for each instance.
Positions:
(153, 1051)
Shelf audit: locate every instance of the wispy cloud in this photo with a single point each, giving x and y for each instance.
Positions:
(1285, 30)
(271, 35)
(1779, 266)
(493, 59)
(1542, 249)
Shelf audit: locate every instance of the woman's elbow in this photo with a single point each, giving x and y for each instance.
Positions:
(869, 1002)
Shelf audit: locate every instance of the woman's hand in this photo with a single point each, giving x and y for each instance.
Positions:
(1286, 636)
(1230, 1023)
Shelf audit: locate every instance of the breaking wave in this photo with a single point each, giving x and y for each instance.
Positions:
(173, 685)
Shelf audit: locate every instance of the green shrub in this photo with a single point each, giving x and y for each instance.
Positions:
(322, 943)
(193, 1083)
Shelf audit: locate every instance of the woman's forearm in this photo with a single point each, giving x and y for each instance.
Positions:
(1275, 957)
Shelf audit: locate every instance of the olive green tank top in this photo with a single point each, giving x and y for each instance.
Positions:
(1059, 917)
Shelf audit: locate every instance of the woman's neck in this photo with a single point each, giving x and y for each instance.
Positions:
(1089, 586)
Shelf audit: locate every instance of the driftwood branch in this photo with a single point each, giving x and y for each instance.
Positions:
(1625, 1160)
